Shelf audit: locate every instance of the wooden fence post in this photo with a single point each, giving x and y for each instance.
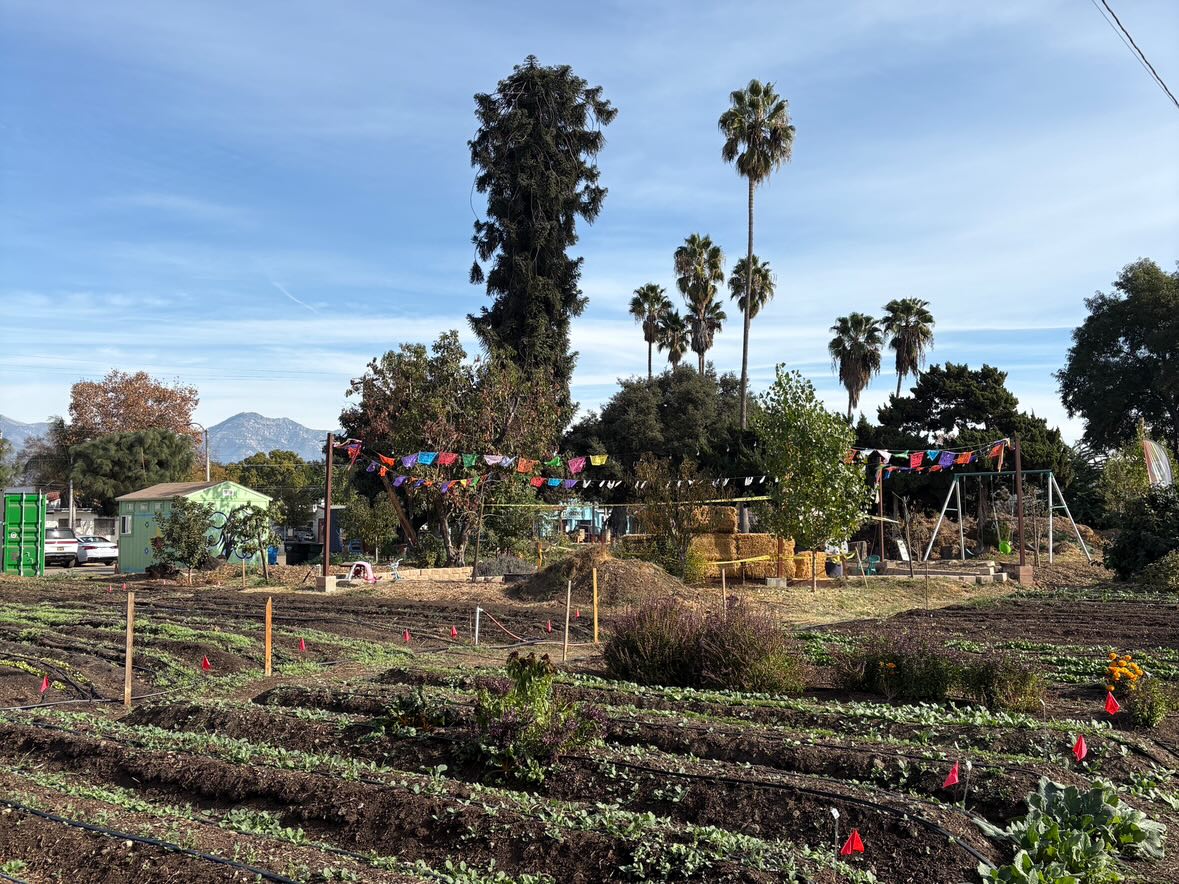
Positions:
(568, 603)
(130, 648)
(595, 578)
(269, 615)
(724, 593)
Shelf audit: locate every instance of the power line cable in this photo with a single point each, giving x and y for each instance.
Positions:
(1126, 38)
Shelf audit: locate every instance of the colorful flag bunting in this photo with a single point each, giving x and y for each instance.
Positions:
(854, 844)
(536, 481)
(445, 486)
(493, 460)
(427, 458)
(469, 460)
(554, 462)
(410, 460)
(946, 459)
(915, 458)
(399, 481)
(951, 777)
(507, 461)
(381, 472)
(963, 458)
(569, 483)
(372, 467)
(599, 459)
(553, 483)
(524, 465)
(446, 458)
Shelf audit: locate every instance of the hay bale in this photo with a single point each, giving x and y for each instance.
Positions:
(802, 565)
(753, 545)
(717, 519)
(715, 548)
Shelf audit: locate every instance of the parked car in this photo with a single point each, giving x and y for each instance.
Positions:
(97, 549)
(61, 547)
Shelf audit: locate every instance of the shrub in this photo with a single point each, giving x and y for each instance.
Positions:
(1149, 702)
(1000, 681)
(908, 667)
(523, 729)
(1149, 530)
(500, 565)
(747, 650)
(1074, 836)
(663, 642)
(656, 643)
(1162, 574)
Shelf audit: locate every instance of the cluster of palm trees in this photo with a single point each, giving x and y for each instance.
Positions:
(907, 327)
(758, 140)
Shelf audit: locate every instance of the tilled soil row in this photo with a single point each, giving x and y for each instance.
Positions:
(354, 815)
(759, 802)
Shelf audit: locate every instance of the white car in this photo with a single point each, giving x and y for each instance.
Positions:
(97, 549)
(61, 547)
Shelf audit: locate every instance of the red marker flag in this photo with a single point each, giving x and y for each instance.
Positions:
(405, 635)
(302, 645)
(1112, 706)
(577, 614)
(548, 627)
(205, 664)
(852, 845)
(109, 588)
(44, 685)
(124, 587)
(951, 777)
(453, 632)
(1080, 749)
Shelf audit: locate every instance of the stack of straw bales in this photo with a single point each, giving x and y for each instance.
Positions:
(802, 565)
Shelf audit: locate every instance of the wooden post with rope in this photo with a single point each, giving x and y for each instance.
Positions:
(130, 650)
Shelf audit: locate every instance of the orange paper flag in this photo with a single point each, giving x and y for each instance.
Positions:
(852, 845)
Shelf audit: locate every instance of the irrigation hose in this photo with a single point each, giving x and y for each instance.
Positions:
(151, 842)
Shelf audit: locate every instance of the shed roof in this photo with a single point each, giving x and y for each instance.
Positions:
(169, 490)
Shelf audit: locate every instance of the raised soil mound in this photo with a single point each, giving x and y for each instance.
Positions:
(620, 581)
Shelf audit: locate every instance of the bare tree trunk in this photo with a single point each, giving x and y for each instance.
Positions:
(849, 406)
(650, 349)
(746, 317)
(900, 377)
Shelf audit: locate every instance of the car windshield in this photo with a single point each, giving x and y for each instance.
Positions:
(59, 534)
(88, 539)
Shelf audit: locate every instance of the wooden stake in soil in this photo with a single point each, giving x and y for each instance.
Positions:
(724, 593)
(568, 602)
(594, 573)
(243, 572)
(269, 613)
(130, 647)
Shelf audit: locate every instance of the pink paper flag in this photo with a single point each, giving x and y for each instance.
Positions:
(951, 777)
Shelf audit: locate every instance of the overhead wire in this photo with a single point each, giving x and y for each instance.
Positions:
(1128, 40)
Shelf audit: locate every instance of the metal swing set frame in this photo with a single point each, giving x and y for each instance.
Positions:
(1056, 502)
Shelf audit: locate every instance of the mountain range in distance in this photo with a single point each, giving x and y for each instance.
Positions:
(233, 439)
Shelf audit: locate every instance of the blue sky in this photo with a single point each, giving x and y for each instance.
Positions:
(259, 197)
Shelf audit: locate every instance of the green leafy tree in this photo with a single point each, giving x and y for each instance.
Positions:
(759, 139)
(648, 306)
(8, 466)
(184, 534)
(1124, 479)
(671, 499)
(412, 399)
(283, 476)
(674, 336)
(700, 270)
(908, 325)
(1147, 532)
(538, 135)
(855, 354)
(819, 498)
(1122, 366)
(249, 529)
(374, 523)
(120, 463)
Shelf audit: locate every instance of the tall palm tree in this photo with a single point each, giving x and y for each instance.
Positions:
(909, 327)
(674, 336)
(649, 303)
(758, 138)
(855, 354)
(704, 327)
(700, 270)
(760, 286)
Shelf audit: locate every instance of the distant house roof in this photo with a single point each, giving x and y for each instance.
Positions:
(169, 490)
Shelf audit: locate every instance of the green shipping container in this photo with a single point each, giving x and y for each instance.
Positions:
(24, 532)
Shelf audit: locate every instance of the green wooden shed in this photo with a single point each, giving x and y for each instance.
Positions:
(139, 510)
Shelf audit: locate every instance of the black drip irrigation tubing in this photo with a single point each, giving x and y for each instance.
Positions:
(54, 668)
(152, 842)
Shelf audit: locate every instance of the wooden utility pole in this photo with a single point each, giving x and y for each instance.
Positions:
(267, 642)
(130, 650)
(327, 508)
(1019, 502)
